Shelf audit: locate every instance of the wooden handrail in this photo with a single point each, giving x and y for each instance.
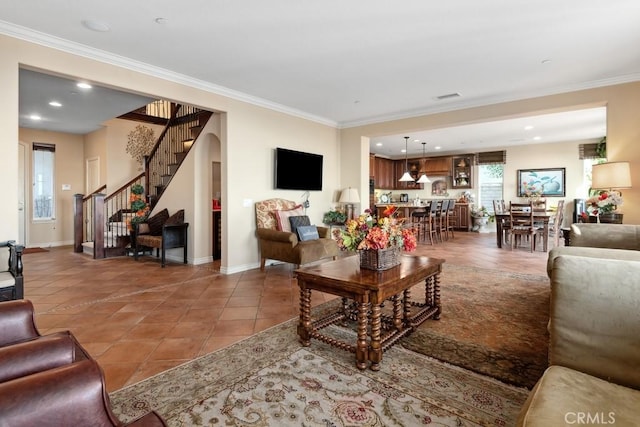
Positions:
(102, 187)
(125, 186)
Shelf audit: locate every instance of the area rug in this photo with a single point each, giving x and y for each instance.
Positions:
(270, 380)
(492, 322)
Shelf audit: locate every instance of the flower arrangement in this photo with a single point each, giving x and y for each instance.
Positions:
(365, 232)
(480, 212)
(139, 207)
(603, 202)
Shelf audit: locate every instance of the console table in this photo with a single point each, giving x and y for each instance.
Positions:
(363, 293)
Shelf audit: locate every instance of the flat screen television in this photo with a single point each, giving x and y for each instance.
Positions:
(296, 170)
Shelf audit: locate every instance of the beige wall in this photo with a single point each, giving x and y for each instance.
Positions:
(248, 136)
(623, 131)
(68, 170)
(95, 145)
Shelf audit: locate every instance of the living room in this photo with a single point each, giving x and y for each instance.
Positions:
(250, 130)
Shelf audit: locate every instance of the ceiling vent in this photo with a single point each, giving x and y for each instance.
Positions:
(447, 96)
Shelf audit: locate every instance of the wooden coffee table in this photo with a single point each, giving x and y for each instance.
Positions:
(363, 293)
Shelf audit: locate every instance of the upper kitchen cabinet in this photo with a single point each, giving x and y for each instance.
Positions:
(436, 166)
(461, 177)
(384, 177)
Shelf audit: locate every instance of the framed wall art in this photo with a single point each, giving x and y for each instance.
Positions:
(547, 182)
(439, 186)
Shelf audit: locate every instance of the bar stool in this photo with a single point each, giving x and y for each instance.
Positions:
(441, 220)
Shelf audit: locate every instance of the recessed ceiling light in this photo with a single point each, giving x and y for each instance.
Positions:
(83, 85)
(437, 147)
(55, 104)
(101, 27)
(528, 127)
(379, 144)
(537, 138)
(35, 117)
(403, 151)
(416, 140)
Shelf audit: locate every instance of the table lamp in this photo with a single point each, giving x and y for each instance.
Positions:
(611, 176)
(349, 196)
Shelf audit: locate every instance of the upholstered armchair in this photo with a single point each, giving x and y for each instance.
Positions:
(11, 279)
(278, 241)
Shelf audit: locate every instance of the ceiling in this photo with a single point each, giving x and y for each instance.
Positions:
(357, 62)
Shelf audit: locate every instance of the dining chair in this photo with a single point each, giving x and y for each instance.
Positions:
(523, 224)
(555, 225)
(499, 206)
(441, 226)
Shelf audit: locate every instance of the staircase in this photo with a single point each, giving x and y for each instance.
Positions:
(100, 221)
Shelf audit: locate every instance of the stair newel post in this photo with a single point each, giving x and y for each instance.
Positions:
(78, 222)
(98, 226)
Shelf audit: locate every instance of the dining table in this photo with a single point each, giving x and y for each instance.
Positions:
(541, 216)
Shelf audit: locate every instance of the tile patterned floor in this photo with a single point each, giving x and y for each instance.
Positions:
(138, 319)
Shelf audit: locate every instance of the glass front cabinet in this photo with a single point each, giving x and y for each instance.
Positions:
(461, 172)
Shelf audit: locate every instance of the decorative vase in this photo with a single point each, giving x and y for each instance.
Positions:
(379, 259)
(480, 224)
(606, 218)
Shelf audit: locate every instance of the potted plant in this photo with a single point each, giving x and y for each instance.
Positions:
(334, 217)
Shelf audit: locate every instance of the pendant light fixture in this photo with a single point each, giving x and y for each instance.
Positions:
(407, 176)
(424, 178)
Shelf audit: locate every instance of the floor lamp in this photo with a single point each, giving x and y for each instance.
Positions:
(349, 196)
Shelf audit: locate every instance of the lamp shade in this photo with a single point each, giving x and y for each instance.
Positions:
(349, 195)
(424, 179)
(406, 177)
(611, 175)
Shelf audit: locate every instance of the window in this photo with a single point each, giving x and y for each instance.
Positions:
(44, 207)
(490, 184)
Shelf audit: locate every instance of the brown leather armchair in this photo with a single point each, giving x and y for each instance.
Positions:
(284, 245)
(17, 322)
(69, 395)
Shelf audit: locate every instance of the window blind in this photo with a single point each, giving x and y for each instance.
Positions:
(491, 158)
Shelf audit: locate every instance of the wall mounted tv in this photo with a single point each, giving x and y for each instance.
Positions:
(295, 170)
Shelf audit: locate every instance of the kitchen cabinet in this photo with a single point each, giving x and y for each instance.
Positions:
(217, 234)
(437, 166)
(384, 173)
(461, 167)
(414, 170)
(462, 217)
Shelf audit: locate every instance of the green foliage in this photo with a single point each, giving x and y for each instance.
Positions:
(334, 217)
(137, 189)
(601, 148)
(495, 171)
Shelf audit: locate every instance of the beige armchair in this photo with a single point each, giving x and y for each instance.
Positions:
(285, 245)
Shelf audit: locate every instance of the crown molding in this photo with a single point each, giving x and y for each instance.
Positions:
(88, 52)
(629, 78)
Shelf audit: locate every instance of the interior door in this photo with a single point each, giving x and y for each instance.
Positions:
(22, 220)
(93, 175)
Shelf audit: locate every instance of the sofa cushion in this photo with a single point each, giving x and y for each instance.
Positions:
(176, 218)
(307, 233)
(298, 221)
(595, 317)
(283, 217)
(590, 252)
(265, 217)
(562, 395)
(613, 236)
(157, 221)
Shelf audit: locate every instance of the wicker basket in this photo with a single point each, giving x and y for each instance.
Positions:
(380, 259)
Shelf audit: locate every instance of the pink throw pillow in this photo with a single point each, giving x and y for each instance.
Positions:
(282, 217)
